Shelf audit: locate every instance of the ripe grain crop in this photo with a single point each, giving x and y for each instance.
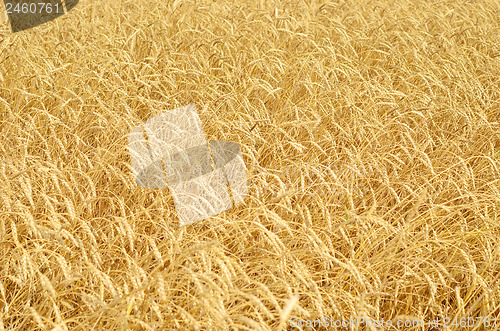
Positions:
(371, 135)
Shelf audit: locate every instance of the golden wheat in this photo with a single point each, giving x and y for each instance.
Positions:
(370, 132)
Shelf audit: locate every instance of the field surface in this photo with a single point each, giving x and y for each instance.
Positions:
(370, 131)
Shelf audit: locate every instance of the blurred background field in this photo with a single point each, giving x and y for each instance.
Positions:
(371, 135)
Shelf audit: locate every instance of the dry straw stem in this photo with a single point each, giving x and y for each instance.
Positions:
(371, 136)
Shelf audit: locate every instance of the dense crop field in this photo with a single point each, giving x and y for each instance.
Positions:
(371, 135)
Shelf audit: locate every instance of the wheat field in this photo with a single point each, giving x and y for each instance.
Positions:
(370, 131)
